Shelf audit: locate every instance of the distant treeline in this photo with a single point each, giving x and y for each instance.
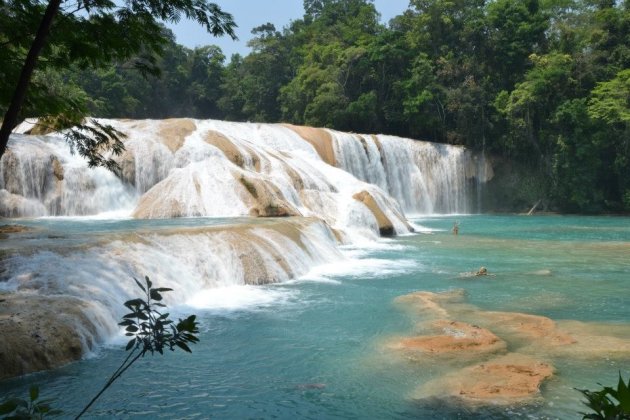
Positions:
(543, 82)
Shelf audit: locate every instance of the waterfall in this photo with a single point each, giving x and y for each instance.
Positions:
(94, 272)
(339, 188)
(186, 167)
(423, 177)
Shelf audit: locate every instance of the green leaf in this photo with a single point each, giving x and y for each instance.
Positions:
(42, 408)
(130, 344)
(623, 395)
(134, 303)
(183, 346)
(140, 285)
(8, 406)
(149, 284)
(155, 295)
(34, 392)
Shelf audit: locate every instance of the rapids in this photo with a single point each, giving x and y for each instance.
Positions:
(340, 188)
(320, 345)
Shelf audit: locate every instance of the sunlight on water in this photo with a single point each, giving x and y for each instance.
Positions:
(319, 346)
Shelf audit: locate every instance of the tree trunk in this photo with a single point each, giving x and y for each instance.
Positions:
(12, 115)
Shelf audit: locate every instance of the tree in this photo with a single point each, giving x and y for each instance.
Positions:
(252, 84)
(610, 103)
(90, 34)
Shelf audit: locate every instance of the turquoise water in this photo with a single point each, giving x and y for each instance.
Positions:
(314, 348)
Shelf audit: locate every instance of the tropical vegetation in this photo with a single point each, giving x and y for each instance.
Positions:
(542, 82)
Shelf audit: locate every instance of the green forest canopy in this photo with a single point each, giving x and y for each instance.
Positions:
(545, 82)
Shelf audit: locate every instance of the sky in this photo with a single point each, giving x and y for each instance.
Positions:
(249, 14)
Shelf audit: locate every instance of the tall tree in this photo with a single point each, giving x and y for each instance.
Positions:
(89, 33)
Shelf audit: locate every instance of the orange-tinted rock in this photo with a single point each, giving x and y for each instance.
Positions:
(14, 229)
(594, 341)
(57, 168)
(173, 132)
(430, 302)
(385, 226)
(265, 199)
(221, 142)
(320, 139)
(505, 380)
(527, 326)
(454, 337)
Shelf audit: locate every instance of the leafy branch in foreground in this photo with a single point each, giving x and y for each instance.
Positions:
(151, 331)
(608, 403)
(33, 408)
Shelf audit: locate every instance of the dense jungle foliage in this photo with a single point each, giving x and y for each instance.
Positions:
(545, 83)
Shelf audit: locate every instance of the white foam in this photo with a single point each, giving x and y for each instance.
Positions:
(239, 298)
(423, 229)
(364, 268)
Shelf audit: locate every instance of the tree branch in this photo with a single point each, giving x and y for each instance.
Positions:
(10, 119)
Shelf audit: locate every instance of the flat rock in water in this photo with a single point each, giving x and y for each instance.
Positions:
(14, 229)
(431, 303)
(508, 379)
(532, 328)
(454, 338)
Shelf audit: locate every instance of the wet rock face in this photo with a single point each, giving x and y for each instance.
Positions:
(57, 168)
(265, 199)
(224, 144)
(173, 132)
(385, 226)
(40, 333)
(320, 139)
(127, 163)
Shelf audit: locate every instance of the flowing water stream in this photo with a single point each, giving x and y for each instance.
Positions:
(315, 346)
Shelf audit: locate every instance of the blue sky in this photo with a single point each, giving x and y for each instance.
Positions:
(251, 13)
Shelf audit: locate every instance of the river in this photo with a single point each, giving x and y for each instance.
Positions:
(318, 346)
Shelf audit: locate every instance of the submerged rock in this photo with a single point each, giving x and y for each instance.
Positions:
(431, 303)
(4, 229)
(523, 326)
(454, 339)
(504, 380)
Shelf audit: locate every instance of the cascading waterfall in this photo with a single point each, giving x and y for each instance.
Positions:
(341, 188)
(216, 168)
(93, 270)
(423, 177)
(40, 177)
